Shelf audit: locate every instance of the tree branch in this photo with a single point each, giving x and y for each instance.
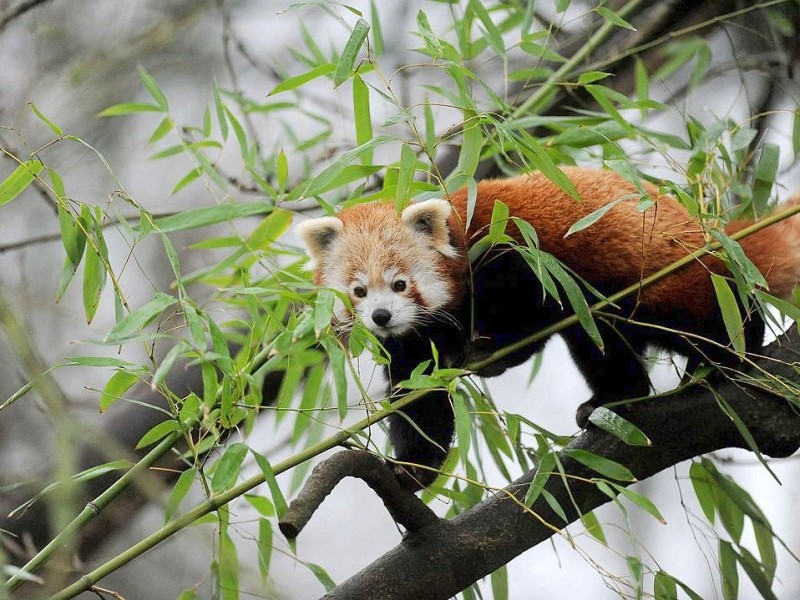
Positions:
(402, 504)
(447, 556)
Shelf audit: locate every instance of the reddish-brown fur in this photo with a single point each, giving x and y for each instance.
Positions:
(627, 245)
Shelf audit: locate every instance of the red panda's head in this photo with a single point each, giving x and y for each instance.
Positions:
(397, 271)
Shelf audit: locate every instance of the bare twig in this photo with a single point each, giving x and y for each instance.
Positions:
(408, 510)
(19, 9)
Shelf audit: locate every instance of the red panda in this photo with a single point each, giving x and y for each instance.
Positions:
(409, 280)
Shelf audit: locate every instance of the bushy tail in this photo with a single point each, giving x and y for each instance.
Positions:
(775, 250)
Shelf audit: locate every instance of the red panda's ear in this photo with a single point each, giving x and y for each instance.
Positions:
(430, 219)
(317, 236)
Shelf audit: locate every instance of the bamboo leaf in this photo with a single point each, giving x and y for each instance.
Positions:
(178, 493)
(609, 421)
(321, 181)
(227, 468)
(136, 321)
(119, 383)
(592, 217)
(363, 117)
(547, 465)
(19, 179)
(128, 108)
(154, 90)
(209, 215)
(614, 18)
(299, 80)
(730, 313)
(53, 127)
(278, 498)
(602, 465)
(344, 67)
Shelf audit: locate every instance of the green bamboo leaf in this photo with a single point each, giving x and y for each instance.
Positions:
(765, 173)
(613, 18)
(363, 117)
(272, 227)
(593, 527)
(227, 468)
(432, 45)
(322, 576)
(323, 310)
(119, 383)
(497, 226)
(337, 360)
(583, 136)
(97, 361)
(209, 215)
(471, 144)
(321, 181)
(298, 80)
(220, 107)
(642, 80)
(19, 180)
(765, 540)
(178, 493)
(67, 274)
(227, 569)
(493, 35)
(754, 571)
(464, 424)
(265, 536)
(405, 176)
(705, 490)
(344, 68)
(500, 584)
(157, 433)
(377, 31)
(640, 501)
(53, 127)
(94, 274)
(282, 170)
(592, 217)
(730, 313)
(262, 504)
(153, 89)
(602, 465)
(278, 498)
(129, 108)
(166, 363)
(729, 574)
(609, 421)
(133, 324)
(163, 129)
(547, 464)
(72, 235)
(191, 176)
(664, 587)
(796, 134)
(575, 295)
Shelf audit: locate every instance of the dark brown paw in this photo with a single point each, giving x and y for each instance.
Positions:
(409, 478)
(583, 413)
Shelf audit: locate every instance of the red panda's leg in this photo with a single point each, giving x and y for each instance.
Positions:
(616, 373)
(432, 415)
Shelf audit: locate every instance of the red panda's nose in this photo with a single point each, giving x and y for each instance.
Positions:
(381, 316)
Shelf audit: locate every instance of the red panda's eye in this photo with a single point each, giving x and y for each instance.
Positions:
(399, 286)
(360, 291)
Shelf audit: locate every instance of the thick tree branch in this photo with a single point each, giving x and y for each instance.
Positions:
(447, 556)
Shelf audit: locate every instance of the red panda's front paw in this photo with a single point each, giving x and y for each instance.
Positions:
(409, 478)
(583, 413)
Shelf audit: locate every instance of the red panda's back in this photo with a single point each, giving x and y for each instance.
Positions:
(619, 249)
